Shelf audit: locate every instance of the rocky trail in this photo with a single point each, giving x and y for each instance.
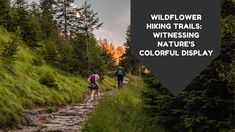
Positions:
(64, 119)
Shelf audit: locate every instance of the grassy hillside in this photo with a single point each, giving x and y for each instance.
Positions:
(122, 112)
(20, 85)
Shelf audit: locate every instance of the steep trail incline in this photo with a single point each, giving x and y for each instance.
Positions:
(65, 119)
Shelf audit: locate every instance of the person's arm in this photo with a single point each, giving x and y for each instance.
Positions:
(98, 77)
(89, 79)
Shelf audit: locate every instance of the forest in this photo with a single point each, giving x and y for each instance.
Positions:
(207, 104)
(47, 51)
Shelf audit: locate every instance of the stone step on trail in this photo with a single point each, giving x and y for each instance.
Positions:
(64, 119)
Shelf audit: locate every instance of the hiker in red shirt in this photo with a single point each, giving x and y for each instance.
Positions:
(93, 85)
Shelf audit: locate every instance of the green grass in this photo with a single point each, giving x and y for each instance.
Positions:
(20, 88)
(122, 112)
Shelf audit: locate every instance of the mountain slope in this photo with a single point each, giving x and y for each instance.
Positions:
(24, 84)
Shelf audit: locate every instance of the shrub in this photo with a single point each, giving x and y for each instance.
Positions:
(49, 81)
(37, 62)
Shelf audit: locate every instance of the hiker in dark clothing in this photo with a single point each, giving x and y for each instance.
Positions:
(120, 73)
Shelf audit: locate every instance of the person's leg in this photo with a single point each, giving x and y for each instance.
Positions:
(95, 89)
(95, 94)
(92, 94)
(98, 93)
(119, 81)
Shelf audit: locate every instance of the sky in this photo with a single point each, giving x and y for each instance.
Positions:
(115, 15)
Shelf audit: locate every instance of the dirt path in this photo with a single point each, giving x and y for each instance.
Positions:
(65, 119)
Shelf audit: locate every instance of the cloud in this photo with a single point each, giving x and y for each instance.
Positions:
(102, 33)
(119, 26)
(124, 17)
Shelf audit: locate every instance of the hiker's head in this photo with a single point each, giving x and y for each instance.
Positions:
(94, 72)
(121, 65)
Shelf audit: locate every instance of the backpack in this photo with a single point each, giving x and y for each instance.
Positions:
(92, 78)
(120, 72)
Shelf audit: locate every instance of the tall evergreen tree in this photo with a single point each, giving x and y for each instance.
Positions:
(4, 12)
(34, 8)
(21, 4)
(88, 20)
(28, 21)
(109, 60)
(66, 17)
(128, 60)
(79, 62)
(48, 23)
(227, 8)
